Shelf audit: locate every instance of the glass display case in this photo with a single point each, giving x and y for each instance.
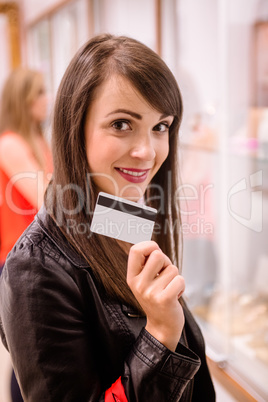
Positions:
(229, 294)
(224, 197)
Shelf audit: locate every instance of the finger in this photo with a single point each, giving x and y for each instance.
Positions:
(175, 288)
(155, 264)
(166, 276)
(138, 255)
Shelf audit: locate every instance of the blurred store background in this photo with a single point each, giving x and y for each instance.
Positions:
(218, 51)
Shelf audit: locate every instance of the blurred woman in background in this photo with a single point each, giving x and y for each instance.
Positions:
(25, 161)
(25, 158)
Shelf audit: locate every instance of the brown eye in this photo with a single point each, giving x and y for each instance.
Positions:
(121, 125)
(161, 127)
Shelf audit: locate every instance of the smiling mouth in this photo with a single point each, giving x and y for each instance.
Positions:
(134, 172)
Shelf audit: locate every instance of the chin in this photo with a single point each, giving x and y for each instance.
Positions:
(134, 196)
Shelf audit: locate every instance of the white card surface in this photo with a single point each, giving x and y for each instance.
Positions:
(122, 219)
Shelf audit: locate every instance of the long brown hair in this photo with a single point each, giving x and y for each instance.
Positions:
(20, 90)
(101, 57)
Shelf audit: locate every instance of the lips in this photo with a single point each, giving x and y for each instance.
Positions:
(133, 175)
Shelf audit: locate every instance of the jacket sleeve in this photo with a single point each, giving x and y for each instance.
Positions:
(44, 327)
(154, 373)
(162, 375)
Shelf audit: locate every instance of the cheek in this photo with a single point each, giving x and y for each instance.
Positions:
(163, 152)
(92, 158)
(44, 102)
(100, 153)
(105, 149)
(39, 108)
(43, 106)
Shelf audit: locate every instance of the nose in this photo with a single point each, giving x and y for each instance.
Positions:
(143, 148)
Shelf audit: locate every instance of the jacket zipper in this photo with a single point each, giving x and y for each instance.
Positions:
(134, 315)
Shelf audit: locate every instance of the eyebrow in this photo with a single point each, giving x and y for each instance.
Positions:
(133, 114)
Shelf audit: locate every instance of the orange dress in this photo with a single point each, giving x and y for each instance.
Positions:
(16, 212)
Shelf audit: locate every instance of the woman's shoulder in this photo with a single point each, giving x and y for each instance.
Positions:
(39, 251)
(32, 248)
(16, 158)
(35, 265)
(12, 145)
(11, 137)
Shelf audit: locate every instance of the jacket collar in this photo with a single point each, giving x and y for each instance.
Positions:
(49, 227)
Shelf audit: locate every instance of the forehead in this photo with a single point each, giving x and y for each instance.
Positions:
(119, 92)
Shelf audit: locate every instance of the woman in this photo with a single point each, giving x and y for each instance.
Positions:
(101, 318)
(25, 159)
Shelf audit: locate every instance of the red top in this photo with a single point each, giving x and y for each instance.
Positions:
(16, 212)
(116, 392)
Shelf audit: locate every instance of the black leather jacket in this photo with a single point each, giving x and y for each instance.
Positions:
(69, 343)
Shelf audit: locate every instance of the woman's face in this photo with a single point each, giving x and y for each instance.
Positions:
(38, 108)
(126, 139)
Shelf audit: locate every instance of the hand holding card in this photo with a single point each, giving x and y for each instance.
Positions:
(157, 285)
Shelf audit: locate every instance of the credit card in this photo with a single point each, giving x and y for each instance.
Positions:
(122, 219)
